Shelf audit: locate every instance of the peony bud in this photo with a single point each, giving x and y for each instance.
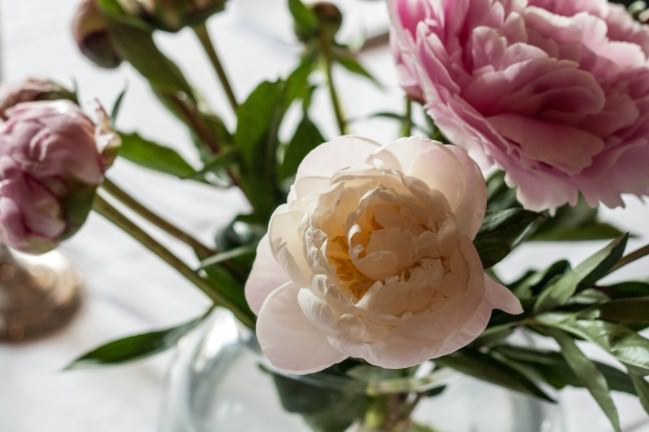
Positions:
(173, 15)
(329, 17)
(32, 90)
(50, 167)
(92, 36)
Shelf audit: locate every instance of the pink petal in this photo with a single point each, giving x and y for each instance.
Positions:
(266, 275)
(330, 157)
(289, 341)
(501, 297)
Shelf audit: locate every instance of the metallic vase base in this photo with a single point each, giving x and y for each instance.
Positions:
(38, 294)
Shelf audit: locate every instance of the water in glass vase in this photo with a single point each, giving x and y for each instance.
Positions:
(220, 382)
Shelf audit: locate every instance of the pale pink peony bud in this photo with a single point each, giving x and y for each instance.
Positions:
(50, 167)
(31, 90)
(91, 34)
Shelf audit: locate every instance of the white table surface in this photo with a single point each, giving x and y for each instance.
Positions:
(129, 290)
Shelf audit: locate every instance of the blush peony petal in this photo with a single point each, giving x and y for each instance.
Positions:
(288, 339)
(266, 275)
(286, 243)
(449, 170)
(502, 298)
(335, 155)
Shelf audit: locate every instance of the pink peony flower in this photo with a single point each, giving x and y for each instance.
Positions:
(31, 90)
(555, 92)
(372, 257)
(50, 166)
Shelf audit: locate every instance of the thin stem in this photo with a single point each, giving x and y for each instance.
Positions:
(210, 50)
(200, 248)
(331, 86)
(406, 126)
(633, 256)
(104, 208)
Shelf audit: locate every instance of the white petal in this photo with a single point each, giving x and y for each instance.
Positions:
(502, 298)
(405, 152)
(333, 156)
(450, 170)
(266, 275)
(286, 242)
(289, 341)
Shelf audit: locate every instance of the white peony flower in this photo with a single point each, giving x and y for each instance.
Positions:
(372, 257)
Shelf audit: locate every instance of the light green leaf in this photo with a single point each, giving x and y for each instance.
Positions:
(588, 374)
(134, 347)
(586, 273)
(307, 137)
(501, 232)
(218, 162)
(246, 250)
(642, 390)
(532, 282)
(487, 368)
(305, 21)
(622, 343)
(117, 105)
(348, 60)
(553, 368)
(152, 155)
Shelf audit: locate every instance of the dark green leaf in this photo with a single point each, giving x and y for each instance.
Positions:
(305, 21)
(626, 289)
(622, 343)
(586, 273)
(134, 347)
(487, 368)
(629, 310)
(348, 60)
(218, 162)
(588, 374)
(326, 408)
(307, 137)
(154, 156)
(642, 390)
(531, 283)
(117, 105)
(499, 195)
(553, 368)
(501, 232)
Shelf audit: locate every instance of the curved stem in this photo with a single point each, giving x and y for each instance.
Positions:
(201, 249)
(406, 126)
(104, 208)
(208, 46)
(331, 86)
(633, 256)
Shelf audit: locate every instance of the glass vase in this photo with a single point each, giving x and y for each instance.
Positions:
(220, 382)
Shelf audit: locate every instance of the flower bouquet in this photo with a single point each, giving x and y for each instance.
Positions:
(369, 265)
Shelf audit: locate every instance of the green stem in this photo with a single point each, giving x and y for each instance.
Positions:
(633, 256)
(208, 46)
(201, 249)
(325, 43)
(406, 126)
(104, 208)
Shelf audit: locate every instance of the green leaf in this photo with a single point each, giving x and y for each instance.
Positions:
(305, 21)
(575, 224)
(117, 105)
(501, 232)
(530, 284)
(629, 310)
(588, 374)
(388, 115)
(626, 289)
(153, 156)
(326, 408)
(247, 250)
(487, 368)
(642, 390)
(219, 162)
(135, 347)
(307, 137)
(348, 60)
(622, 343)
(499, 195)
(586, 273)
(553, 368)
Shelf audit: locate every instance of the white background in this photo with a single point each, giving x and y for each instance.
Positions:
(127, 289)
